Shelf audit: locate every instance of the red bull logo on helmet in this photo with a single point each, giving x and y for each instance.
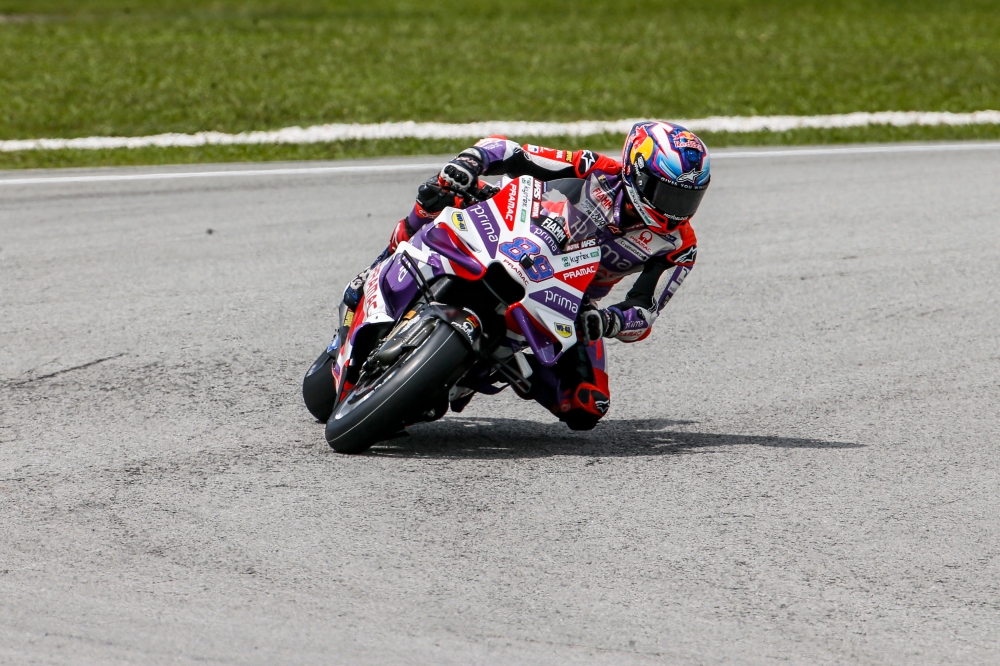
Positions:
(642, 145)
(686, 139)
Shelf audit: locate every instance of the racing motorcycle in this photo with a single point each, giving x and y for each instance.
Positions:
(475, 302)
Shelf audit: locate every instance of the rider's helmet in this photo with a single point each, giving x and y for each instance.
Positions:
(666, 171)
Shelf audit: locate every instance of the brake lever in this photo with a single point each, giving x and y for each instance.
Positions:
(470, 197)
(486, 191)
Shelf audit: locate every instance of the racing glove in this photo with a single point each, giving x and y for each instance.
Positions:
(432, 198)
(462, 172)
(594, 323)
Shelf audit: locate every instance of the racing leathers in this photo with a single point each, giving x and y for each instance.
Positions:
(627, 245)
(576, 390)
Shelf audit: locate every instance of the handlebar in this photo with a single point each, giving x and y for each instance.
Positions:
(474, 195)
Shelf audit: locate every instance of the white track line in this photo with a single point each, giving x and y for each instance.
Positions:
(220, 174)
(859, 150)
(414, 130)
(433, 166)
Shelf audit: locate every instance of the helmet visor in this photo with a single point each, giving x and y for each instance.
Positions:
(677, 203)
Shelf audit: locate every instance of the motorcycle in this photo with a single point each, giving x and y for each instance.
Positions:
(475, 302)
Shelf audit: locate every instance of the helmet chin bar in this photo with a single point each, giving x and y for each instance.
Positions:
(640, 208)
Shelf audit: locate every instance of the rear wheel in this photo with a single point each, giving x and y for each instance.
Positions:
(319, 389)
(383, 403)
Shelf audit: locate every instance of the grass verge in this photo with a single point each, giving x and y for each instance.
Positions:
(136, 67)
(611, 144)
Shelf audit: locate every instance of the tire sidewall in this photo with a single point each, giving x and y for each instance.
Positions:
(353, 427)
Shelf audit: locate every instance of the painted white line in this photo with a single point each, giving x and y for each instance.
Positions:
(434, 166)
(414, 130)
(857, 150)
(219, 174)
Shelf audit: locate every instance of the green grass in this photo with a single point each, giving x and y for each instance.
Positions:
(98, 67)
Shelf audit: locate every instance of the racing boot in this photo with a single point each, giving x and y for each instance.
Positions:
(582, 406)
(355, 290)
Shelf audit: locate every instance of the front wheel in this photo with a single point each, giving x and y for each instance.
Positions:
(377, 407)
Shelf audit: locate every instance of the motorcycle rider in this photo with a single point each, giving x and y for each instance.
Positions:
(646, 201)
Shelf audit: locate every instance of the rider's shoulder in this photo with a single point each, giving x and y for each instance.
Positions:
(587, 162)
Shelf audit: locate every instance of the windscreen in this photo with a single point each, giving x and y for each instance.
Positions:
(562, 199)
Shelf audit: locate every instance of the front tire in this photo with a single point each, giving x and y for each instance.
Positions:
(378, 409)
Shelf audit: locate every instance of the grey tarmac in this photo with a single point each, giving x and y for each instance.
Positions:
(800, 464)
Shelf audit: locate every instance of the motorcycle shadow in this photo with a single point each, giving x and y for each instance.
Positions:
(496, 438)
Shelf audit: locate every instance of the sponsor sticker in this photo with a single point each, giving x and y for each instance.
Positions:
(582, 257)
(690, 177)
(687, 256)
(558, 300)
(579, 278)
(470, 326)
(556, 228)
(583, 271)
(587, 162)
(565, 330)
(602, 199)
(459, 221)
(590, 242)
(687, 140)
(508, 213)
(547, 239)
(481, 216)
(525, 190)
(372, 289)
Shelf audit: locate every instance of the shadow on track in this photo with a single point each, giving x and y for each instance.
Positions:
(487, 438)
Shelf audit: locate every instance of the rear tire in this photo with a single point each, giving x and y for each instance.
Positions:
(319, 389)
(411, 386)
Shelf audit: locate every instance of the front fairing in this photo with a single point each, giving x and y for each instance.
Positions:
(510, 229)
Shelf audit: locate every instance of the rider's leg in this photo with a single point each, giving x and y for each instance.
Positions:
(355, 288)
(576, 388)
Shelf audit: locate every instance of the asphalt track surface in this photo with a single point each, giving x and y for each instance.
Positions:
(800, 465)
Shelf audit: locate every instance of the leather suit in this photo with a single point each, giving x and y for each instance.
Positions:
(576, 389)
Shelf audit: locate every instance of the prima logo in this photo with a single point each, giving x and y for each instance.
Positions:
(557, 300)
(480, 217)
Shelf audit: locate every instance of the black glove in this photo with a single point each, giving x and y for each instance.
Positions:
(462, 173)
(594, 323)
(432, 198)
